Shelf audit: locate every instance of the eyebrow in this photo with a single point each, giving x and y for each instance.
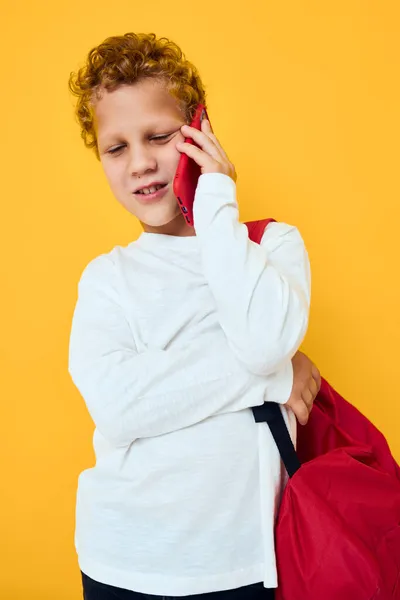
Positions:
(108, 135)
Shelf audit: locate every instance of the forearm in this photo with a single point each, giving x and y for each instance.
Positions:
(132, 395)
(262, 292)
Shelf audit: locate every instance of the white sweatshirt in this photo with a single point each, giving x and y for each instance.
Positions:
(173, 339)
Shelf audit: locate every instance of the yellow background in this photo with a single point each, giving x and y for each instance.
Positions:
(305, 98)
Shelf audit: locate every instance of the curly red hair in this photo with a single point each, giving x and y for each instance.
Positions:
(125, 60)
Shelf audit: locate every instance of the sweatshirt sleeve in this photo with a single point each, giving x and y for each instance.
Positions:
(133, 395)
(262, 291)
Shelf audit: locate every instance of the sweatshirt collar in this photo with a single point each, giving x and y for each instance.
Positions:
(167, 241)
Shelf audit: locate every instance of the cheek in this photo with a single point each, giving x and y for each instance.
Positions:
(112, 172)
(174, 155)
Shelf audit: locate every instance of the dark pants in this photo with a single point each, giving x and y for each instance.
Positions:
(92, 590)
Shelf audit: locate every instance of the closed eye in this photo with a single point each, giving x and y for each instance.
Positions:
(156, 138)
(114, 150)
(161, 138)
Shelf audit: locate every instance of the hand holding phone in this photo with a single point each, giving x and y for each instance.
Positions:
(188, 173)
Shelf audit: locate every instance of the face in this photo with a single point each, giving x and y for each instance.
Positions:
(138, 127)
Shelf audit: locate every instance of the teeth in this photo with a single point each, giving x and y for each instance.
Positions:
(150, 190)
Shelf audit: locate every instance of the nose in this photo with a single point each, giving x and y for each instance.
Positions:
(141, 161)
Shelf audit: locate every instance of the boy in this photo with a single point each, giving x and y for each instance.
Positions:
(174, 338)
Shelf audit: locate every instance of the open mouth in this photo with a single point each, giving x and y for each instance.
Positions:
(155, 192)
(151, 190)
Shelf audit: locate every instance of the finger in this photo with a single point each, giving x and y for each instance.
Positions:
(316, 376)
(313, 387)
(202, 140)
(301, 412)
(308, 398)
(204, 160)
(206, 127)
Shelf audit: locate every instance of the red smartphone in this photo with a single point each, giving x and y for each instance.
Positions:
(188, 172)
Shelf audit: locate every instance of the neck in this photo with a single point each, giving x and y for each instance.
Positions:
(177, 227)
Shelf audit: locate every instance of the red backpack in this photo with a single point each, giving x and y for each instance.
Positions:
(338, 529)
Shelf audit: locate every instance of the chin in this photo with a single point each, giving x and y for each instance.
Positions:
(159, 216)
(162, 219)
(154, 214)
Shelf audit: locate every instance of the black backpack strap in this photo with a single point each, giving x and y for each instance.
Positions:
(270, 413)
